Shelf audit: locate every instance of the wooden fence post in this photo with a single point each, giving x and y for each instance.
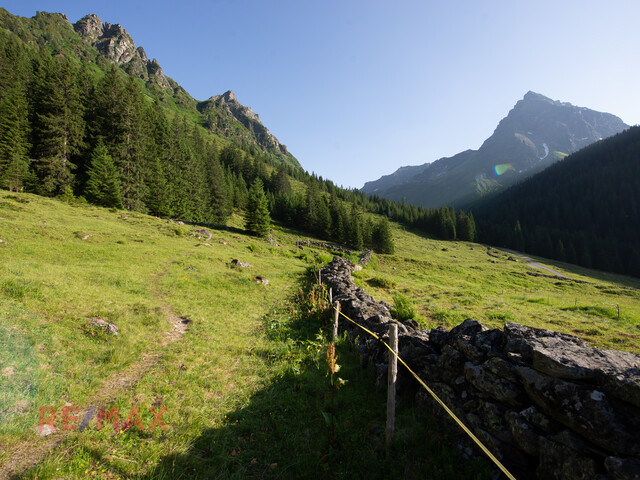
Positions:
(391, 383)
(335, 321)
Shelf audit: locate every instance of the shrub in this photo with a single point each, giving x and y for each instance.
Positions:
(403, 307)
(381, 282)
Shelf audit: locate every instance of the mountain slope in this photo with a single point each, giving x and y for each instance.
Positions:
(536, 133)
(584, 209)
(98, 43)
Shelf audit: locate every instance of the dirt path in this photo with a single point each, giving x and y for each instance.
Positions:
(30, 453)
(536, 264)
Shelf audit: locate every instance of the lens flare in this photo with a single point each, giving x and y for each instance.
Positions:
(502, 168)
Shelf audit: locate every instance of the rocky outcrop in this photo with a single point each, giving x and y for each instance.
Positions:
(116, 45)
(548, 405)
(246, 116)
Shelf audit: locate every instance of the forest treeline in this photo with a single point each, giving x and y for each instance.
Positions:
(584, 209)
(79, 131)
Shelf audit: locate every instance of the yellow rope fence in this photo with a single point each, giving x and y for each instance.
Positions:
(437, 399)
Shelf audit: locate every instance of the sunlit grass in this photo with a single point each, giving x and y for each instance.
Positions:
(246, 387)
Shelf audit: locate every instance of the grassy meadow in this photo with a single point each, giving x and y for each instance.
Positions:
(238, 367)
(451, 281)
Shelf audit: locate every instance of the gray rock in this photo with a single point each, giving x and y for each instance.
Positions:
(495, 387)
(469, 327)
(450, 363)
(584, 410)
(237, 263)
(559, 462)
(538, 419)
(623, 468)
(525, 435)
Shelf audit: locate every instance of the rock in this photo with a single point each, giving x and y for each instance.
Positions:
(365, 258)
(524, 434)
(490, 342)
(586, 411)
(45, 430)
(261, 279)
(623, 468)
(501, 368)
(439, 337)
(203, 232)
(463, 344)
(495, 387)
(492, 416)
(522, 339)
(101, 323)
(559, 462)
(237, 263)
(450, 364)
(538, 419)
(567, 357)
(469, 327)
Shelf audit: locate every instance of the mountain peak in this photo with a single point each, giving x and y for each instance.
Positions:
(536, 132)
(229, 96)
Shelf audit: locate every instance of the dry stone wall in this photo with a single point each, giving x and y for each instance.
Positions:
(548, 405)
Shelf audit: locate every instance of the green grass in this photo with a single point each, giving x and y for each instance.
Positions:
(451, 281)
(246, 389)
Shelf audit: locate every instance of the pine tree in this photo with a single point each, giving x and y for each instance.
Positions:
(14, 121)
(257, 219)
(382, 239)
(14, 146)
(103, 186)
(59, 126)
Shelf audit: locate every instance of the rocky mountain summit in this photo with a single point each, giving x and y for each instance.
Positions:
(117, 46)
(228, 102)
(536, 133)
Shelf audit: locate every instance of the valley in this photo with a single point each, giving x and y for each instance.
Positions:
(251, 355)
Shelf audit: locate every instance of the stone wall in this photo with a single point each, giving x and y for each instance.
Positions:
(545, 403)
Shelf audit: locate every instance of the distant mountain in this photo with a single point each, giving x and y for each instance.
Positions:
(93, 41)
(584, 209)
(536, 133)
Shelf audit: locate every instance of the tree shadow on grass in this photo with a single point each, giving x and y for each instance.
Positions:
(285, 432)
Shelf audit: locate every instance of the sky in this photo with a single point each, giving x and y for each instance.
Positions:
(356, 88)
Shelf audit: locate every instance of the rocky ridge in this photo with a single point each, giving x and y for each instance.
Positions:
(536, 133)
(117, 46)
(229, 103)
(545, 403)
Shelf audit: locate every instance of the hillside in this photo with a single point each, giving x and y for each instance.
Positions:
(239, 365)
(536, 133)
(584, 209)
(99, 44)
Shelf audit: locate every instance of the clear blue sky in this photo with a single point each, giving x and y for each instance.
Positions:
(356, 89)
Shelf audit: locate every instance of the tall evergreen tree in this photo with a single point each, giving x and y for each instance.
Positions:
(257, 219)
(103, 185)
(382, 239)
(14, 121)
(59, 126)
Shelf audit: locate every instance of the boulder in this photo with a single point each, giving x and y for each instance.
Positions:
(237, 263)
(586, 411)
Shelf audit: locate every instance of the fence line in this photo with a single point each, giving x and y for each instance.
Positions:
(437, 399)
